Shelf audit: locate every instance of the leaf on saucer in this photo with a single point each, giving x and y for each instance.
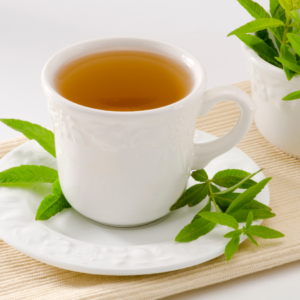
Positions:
(220, 218)
(194, 230)
(233, 233)
(236, 186)
(207, 207)
(254, 204)
(200, 175)
(231, 177)
(193, 195)
(28, 174)
(258, 214)
(202, 193)
(224, 201)
(32, 131)
(249, 219)
(247, 196)
(52, 204)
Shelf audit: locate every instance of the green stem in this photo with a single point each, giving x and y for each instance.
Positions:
(212, 197)
(286, 27)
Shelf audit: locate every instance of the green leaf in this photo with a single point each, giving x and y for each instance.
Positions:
(194, 230)
(261, 48)
(249, 219)
(289, 65)
(294, 39)
(200, 175)
(207, 207)
(247, 196)
(236, 186)
(52, 204)
(278, 32)
(233, 233)
(231, 177)
(257, 25)
(254, 9)
(292, 96)
(287, 53)
(194, 194)
(285, 4)
(200, 196)
(258, 214)
(273, 5)
(232, 247)
(224, 201)
(28, 174)
(294, 15)
(264, 232)
(220, 218)
(32, 131)
(296, 31)
(264, 35)
(252, 240)
(254, 204)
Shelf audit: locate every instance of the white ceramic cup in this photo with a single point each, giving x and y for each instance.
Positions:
(128, 168)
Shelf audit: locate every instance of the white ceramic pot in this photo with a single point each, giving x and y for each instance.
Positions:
(277, 120)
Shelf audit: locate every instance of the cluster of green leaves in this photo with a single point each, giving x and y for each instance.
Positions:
(231, 208)
(56, 201)
(283, 23)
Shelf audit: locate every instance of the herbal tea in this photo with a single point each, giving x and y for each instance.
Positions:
(124, 81)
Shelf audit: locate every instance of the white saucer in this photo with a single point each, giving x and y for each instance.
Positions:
(73, 242)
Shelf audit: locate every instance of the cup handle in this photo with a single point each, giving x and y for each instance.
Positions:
(205, 152)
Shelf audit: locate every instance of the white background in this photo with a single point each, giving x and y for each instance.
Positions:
(31, 31)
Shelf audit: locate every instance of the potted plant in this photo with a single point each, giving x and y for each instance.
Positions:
(271, 45)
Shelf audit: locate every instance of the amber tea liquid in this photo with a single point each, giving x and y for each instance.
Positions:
(124, 81)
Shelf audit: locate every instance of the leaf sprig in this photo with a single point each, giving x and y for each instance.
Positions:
(53, 203)
(231, 208)
(283, 22)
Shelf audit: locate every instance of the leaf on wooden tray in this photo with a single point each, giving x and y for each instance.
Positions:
(232, 247)
(264, 232)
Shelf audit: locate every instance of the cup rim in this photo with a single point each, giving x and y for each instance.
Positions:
(49, 90)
